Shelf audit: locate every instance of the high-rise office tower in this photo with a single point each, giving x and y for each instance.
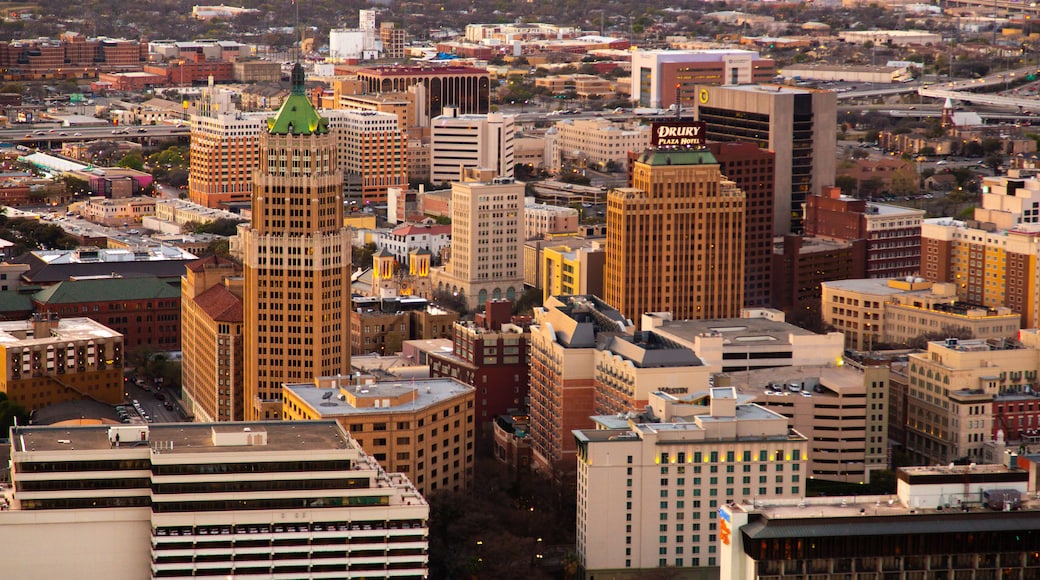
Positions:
(487, 260)
(797, 124)
(373, 153)
(296, 258)
(675, 239)
(471, 142)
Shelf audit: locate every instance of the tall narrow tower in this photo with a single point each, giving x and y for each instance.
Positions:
(297, 258)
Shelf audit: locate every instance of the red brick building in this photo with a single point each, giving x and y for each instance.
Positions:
(490, 354)
(468, 88)
(146, 311)
(801, 263)
(892, 234)
(179, 73)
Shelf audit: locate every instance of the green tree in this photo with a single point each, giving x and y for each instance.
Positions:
(847, 184)
(132, 160)
(10, 412)
(362, 257)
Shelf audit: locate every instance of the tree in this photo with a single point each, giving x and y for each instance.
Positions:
(927, 151)
(847, 183)
(10, 412)
(362, 257)
(221, 227)
(530, 298)
(217, 248)
(132, 160)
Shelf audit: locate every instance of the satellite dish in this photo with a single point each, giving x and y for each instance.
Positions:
(327, 396)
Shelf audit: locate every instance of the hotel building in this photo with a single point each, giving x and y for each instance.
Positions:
(225, 150)
(422, 428)
(937, 526)
(991, 258)
(296, 258)
(675, 239)
(373, 153)
(594, 142)
(796, 124)
(242, 500)
(564, 346)
(649, 493)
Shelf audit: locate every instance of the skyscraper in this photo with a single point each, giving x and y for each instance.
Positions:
(296, 258)
(797, 124)
(675, 239)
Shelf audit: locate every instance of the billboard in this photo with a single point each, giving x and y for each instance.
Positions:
(677, 134)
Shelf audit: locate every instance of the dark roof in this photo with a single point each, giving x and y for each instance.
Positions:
(42, 273)
(924, 523)
(14, 302)
(220, 304)
(105, 290)
(209, 262)
(678, 157)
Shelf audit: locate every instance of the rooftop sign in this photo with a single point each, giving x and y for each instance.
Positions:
(678, 135)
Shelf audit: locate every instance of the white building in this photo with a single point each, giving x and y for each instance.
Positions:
(471, 141)
(893, 37)
(542, 218)
(649, 493)
(487, 260)
(403, 240)
(248, 500)
(594, 141)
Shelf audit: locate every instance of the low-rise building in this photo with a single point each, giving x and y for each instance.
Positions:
(422, 428)
(49, 360)
(115, 212)
(568, 270)
(596, 141)
(873, 311)
(542, 218)
(381, 325)
(405, 239)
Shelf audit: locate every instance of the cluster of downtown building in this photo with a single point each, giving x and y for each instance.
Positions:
(684, 410)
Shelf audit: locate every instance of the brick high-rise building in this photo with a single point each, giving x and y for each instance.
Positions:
(212, 323)
(296, 257)
(467, 88)
(225, 150)
(373, 153)
(891, 234)
(675, 239)
(752, 169)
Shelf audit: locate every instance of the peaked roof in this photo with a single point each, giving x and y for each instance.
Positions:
(106, 290)
(209, 262)
(220, 304)
(419, 229)
(297, 115)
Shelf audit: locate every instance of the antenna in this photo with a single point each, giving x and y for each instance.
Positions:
(327, 396)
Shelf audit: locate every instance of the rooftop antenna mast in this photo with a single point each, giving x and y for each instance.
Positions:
(678, 102)
(299, 31)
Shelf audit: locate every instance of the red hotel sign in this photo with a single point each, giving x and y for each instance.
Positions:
(677, 135)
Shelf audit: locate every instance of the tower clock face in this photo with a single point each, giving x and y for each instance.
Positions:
(704, 96)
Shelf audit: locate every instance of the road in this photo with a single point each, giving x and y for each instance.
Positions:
(153, 406)
(50, 133)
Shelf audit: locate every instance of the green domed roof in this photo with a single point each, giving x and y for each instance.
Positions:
(297, 115)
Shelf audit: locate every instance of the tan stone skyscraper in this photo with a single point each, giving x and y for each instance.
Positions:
(296, 258)
(675, 240)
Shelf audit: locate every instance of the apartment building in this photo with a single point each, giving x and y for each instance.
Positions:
(649, 494)
(373, 153)
(224, 152)
(249, 500)
(871, 312)
(486, 260)
(48, 360)
(891, 234)
(564, 339)
(422, 428)
(542, 218)
(459, 141)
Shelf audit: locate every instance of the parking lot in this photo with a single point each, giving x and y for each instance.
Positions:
(152, 403)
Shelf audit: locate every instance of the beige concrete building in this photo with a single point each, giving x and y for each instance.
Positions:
(675, 239)
(594, 142)
(423, 428)
(211, 340)
(256, 71)
(172, 214)
(872, 311)
(961, 394)
(542, 218)
(480, 142)
(250, 500)
(486, 242)
(842, 409)
(760, 338)
(115, 212)
(296, 258)
(798, 125)
(649, 493)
